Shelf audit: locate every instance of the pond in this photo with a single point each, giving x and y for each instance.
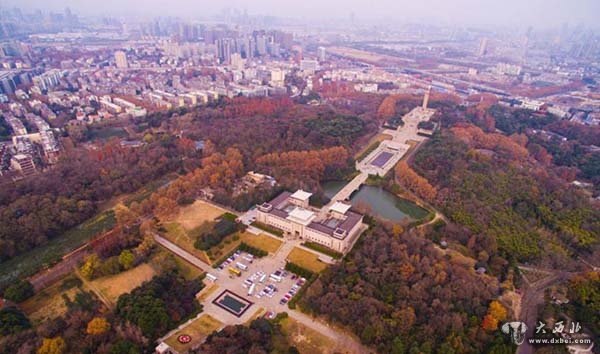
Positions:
(383, 204)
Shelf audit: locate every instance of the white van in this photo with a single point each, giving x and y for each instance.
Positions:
(241, 266)
(251, 290)
(211, 277)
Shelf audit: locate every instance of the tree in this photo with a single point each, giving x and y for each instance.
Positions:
(489, 323)
(12, 321)
(124, 347)
(19, 291)
(124, 215)
(97, 326)
(398, 346)
(408, 178)
(497, 310)
(126, 259)
(90, 266)
(397, 230)
(55, 345)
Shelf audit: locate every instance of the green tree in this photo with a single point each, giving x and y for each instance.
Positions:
(398, 346)
(90, 266)
(126, 259)
(12, 320)
(124, 347)
(368, 334)
(19, 291)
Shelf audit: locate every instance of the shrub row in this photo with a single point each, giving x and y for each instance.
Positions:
(268, 228)
(257, 252)
(323, 249)
(305, 273)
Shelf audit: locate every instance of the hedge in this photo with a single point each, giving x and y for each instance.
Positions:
(257, 252)
(305, 273)
(229, 216)
(268, 228)
(323, 249)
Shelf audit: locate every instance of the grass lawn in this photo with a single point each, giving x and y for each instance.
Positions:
(264, 242)
(306, 339)
(177, 234)
(48, 304)
(372, 145)
(197, 213)
(104, 133)
(207, 291)
(113, 286)
(188, 271)
(226, 245)
(199, 329)
(306, 260)
(30, 262)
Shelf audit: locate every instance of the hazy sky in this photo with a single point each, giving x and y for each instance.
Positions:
(540, 13)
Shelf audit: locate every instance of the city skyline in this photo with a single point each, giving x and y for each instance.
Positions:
(538, 13)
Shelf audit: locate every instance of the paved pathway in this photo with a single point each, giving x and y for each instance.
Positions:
(182, 253)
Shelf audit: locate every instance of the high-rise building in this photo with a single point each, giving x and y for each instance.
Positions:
(225, 47)
(482, 47)
(121, 59)
(309, 65)
(261, 45)
(277, 77)
(236, 61)
(322, 54)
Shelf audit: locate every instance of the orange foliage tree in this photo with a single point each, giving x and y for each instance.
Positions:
(474, 137)
(408, 178)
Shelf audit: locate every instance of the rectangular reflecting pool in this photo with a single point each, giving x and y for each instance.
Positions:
(232, 303)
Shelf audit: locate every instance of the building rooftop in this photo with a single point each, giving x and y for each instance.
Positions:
(301, 215)
(340, 207)
(301, 195)
(279, 200)
(334, 226)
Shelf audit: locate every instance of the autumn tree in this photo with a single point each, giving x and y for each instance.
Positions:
(497, 310)
(408, 178)
(97, 326)
(55, 345)
(90, 266)
(124, 215)
(489, 323)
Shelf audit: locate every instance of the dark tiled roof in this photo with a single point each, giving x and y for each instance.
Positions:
(352, 219)
(278, 200)
(279, 212)
(322, 228)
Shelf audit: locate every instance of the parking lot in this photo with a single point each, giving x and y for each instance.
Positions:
(262, 281)
(226, 298)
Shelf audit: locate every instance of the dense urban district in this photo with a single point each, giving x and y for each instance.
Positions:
(252, 186)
